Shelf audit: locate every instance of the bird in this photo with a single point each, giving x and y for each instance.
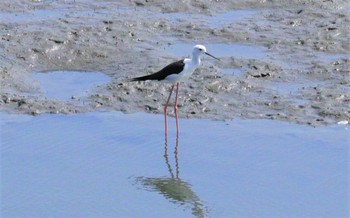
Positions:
(174, 73)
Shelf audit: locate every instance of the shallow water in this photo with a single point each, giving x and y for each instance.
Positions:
(63, 85)
(219, 50)
(233, 71)
(333, 57)
(215, 21)
(57, 11)
(294, 87)
(32, 15)
(109, 164)
(226, 18)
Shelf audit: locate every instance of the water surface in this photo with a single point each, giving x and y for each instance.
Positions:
(109, 164)
(215, 21)
(63, 85)
(236, 50)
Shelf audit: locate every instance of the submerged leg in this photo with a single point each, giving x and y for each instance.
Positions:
(166, 112)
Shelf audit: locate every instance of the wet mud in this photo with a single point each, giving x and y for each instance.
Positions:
(292, 58)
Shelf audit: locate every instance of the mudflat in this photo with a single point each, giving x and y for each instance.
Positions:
(284, 60)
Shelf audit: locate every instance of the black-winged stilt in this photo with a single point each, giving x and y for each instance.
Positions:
(174, 73)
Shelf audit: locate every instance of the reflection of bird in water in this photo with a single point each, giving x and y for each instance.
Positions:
(173, 188)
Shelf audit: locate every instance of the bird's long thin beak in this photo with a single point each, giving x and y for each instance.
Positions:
(212, 56)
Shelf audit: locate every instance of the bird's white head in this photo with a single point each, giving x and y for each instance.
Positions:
(198, 50)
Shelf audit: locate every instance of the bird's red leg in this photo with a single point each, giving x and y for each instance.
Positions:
(166, 112)
(176, 109)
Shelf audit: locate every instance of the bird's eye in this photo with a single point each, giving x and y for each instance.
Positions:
(200, 49)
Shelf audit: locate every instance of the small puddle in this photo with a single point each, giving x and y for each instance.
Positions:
(214, 21)
(63, 85)
(332, 57)
(292, 88)
(232, 71)
(229, 17)
(32, 15)
(219, 50)
(57, 11)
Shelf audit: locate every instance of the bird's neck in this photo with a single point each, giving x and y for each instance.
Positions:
(196, 59)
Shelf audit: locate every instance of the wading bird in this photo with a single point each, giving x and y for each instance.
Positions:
(174, 73)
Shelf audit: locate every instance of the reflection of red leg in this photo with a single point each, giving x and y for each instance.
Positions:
(176, 109)
(176, 152)
(166, 112)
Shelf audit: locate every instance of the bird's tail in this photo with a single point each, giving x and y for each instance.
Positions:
(141, 78)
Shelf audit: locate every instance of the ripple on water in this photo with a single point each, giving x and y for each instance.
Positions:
(111, 163)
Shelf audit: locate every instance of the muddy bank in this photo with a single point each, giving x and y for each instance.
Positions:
(299, 70)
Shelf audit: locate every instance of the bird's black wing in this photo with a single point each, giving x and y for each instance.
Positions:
(173, 68)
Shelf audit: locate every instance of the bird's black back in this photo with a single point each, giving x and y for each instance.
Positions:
(173, 68)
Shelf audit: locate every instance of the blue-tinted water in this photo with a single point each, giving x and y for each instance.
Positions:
(33, 15)
(218, 50)
(232, 71)
(63, 85)
(215, 21)
(109, 164)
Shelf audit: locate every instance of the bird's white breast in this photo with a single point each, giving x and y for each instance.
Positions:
(190, 67)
